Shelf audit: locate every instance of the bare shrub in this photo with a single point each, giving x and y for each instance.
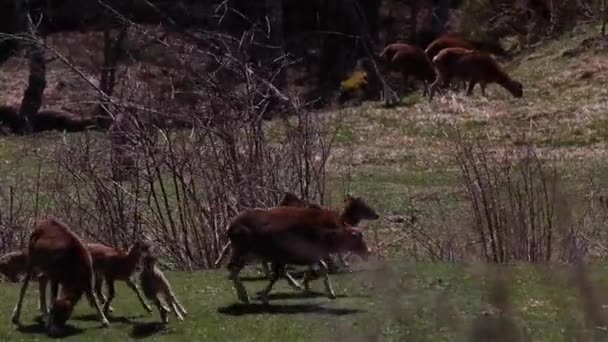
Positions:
(431, 230)
(178, 173)
(531, 20)
(511, 196)
(21, 198)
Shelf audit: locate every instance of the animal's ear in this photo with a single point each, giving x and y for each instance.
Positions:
(348, 198)
(290, 200)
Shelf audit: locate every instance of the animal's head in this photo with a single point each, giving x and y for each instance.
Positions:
(291, 200)
(351, 239)
(59, 314)
(517, 89)
(143, 246)
(358, 209)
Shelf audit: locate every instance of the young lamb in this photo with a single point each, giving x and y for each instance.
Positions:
(60, 254)
(112, 264)
(474, 67)
(13, 265)
(154, 283)
(410, 61)
(362, 212)
(288, 235)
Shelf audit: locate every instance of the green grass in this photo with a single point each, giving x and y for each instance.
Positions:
(412, 302)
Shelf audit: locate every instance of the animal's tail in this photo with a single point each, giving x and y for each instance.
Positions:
(222, 254)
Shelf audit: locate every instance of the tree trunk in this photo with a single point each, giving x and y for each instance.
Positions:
(440, 15)
(604, 16)
(112, 53)
(32, 97)
(274, 16)
(414, 10)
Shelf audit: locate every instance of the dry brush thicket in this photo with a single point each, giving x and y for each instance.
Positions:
(185, 153)
(509, 203)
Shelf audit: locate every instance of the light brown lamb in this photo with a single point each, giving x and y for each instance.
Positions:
(155, 285)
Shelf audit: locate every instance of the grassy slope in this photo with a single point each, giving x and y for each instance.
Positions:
(404, 150)
(423, 302)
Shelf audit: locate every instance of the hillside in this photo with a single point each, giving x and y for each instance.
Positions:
(401, 160)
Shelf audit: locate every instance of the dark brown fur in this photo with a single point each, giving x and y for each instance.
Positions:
(474, 67)
(453, 40)
(410, 61)
(62, 256)
(288, 235)
(355, 209)
(53, 119)
(44, 120)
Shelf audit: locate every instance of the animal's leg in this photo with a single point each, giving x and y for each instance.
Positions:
(235, 266)
(331, 264)
(266, 270)
(292, 282)
(90, 293)
(470, 87)
(447, 81)
(162, 309)
(19, 305)
(111, 293)
(172, 301)
(277, 270)
(343, 260)
(439, 80)
(406, 78)
(328, 287)
(425, 88)
(483, 89)
(308, 276)
(306, 281)
(177, 312)
(54, 289)
(12, 276)
(135, 288)
(98, 291)
(42, 303)
(458, 85)
(177, 303)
